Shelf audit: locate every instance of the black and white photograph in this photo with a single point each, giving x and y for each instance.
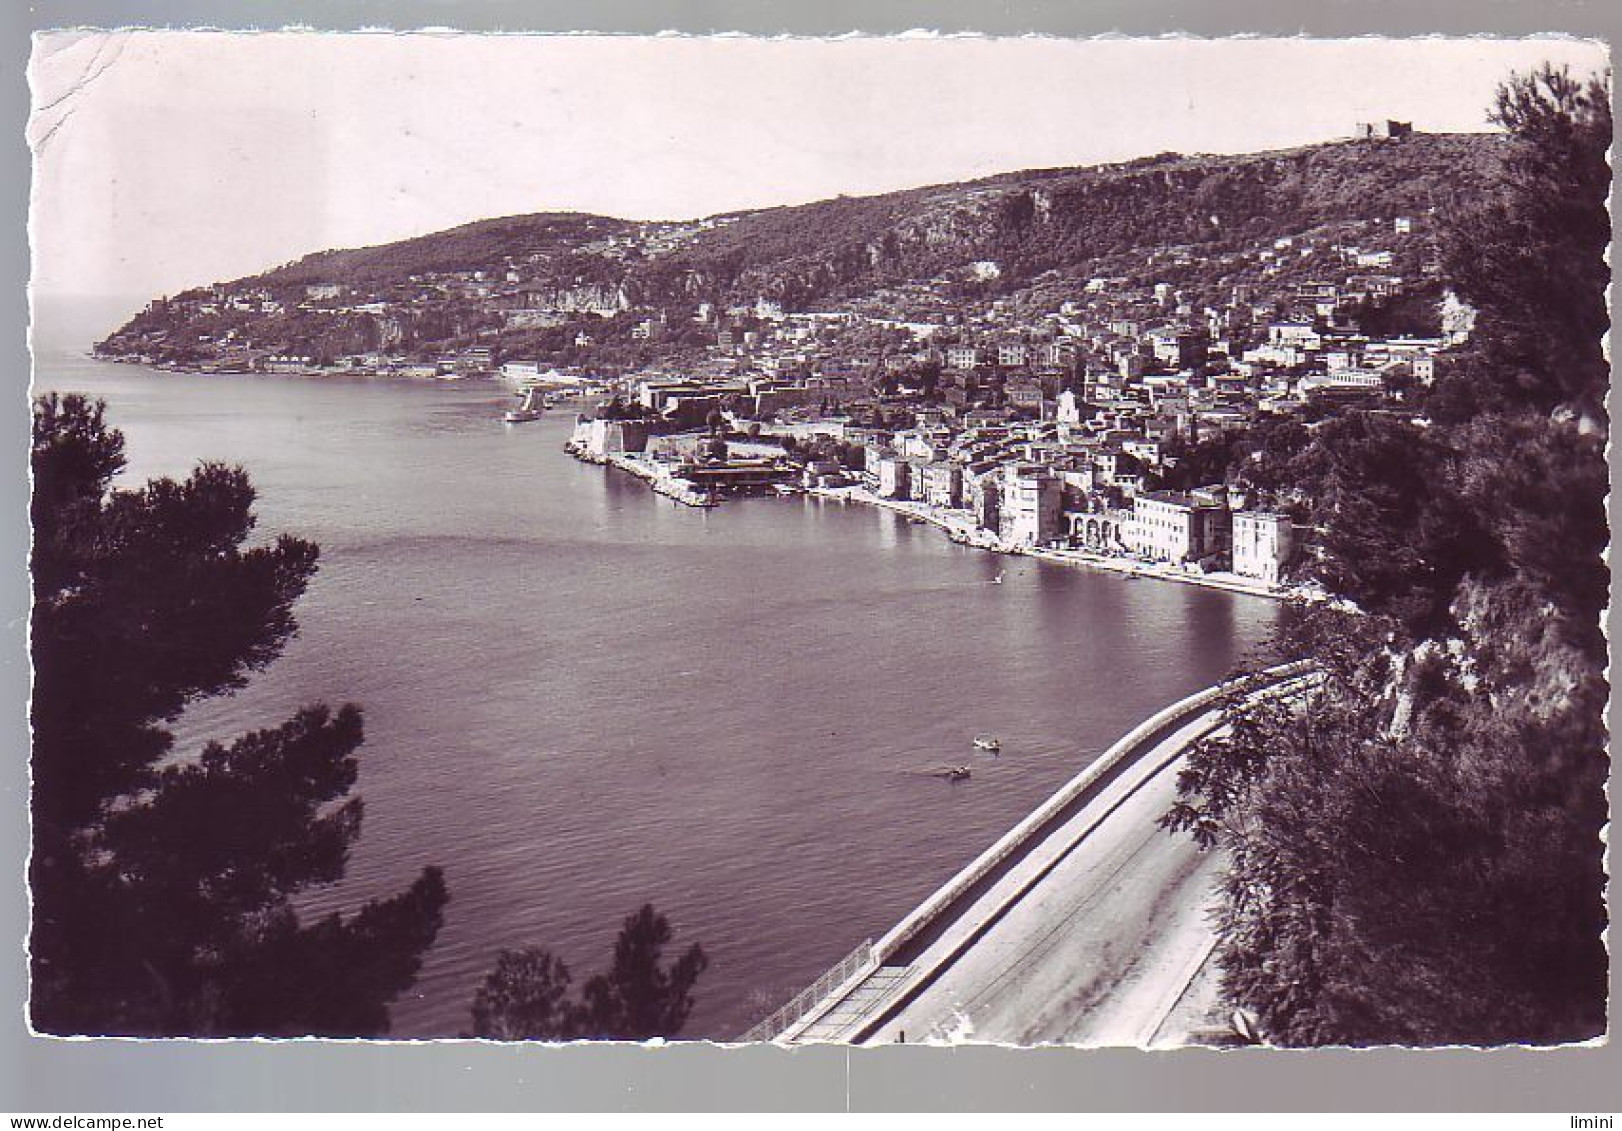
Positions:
(874, 540)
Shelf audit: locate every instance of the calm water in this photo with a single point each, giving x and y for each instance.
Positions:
(580, 696)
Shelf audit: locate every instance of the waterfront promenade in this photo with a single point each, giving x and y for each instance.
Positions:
(1086, 924)
(960, 527)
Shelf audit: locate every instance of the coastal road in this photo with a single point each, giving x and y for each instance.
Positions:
(1089, 934)
(1100, 947)
(1085, 925)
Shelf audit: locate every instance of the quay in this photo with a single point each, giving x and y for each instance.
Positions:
(657, 478)
(1085, 924)
(960, 528)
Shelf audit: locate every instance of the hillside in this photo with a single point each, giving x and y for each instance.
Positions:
(1055, 219)
(517, 283)
(483, 244)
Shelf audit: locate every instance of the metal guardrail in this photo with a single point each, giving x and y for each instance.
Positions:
(870, 956)
(1020, 833)
(859, 961)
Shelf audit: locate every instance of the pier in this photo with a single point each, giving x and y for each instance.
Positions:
(657, 478)
(1084, 924)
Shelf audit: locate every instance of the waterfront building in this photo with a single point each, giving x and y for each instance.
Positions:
(601, 438)
(1102, 531)
(943, 485)
(1032, 508)
(287, 363)
(984, 494)
(732, 476)
(895, 477)
(826, 473)
(916, 487)
(1262, 545)
(1171, 526)
(521, 370)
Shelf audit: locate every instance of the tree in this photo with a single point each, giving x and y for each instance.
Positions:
(637, 998)
(1397, 534)
(162, 884)
(1532, 259)
(1192, 464)
(526, 998)
(526, 995)
(1416, 856)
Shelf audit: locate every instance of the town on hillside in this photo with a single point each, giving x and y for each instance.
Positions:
(1067, 411)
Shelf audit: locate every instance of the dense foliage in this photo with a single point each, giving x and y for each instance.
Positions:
(526, 997)
(1072, 220)
(162, 885)
(1416, 857)
(1066, 218)
(480, 246)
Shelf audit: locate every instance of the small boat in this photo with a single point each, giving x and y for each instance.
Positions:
(987, 742)
(955, 773)
(524, 413)
(996, 580)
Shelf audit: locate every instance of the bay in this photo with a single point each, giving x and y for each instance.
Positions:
(581, 696)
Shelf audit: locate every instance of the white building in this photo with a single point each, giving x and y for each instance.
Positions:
(1262, 545)
(1300, 334)
(1172, 527)
(1342, 383)
(1032, 508)
(600, 438)
(521, 370)
(895, 477)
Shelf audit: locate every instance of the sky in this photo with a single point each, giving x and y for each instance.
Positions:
(164, 160)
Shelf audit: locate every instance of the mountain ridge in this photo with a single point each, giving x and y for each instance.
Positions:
(1027, 225)
(1164, 163)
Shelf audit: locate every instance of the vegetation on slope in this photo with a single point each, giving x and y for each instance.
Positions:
(480, 246)
(1028, 222)
(1032, 222)
(1416, 857)
(163, 885)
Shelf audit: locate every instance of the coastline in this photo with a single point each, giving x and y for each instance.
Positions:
(647, 471)
(960, 528)
(288, 371)
(958, 525)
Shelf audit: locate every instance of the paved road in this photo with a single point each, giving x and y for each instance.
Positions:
(1092, 930)
(1091, 940)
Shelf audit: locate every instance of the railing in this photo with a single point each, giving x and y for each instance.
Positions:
(1020, 833)
(870, 956)
(859, 961)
